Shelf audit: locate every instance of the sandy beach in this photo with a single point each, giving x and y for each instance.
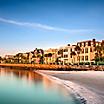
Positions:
(85, 84)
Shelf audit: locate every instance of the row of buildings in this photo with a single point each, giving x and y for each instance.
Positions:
(82, 52)
(86, 52)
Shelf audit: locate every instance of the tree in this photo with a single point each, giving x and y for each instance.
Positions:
(78, 49)
(57, 60)
(73, 54)
(39, 55)
(60, 52)
(50, 55)
(0, 59)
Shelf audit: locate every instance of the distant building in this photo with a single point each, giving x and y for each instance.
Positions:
(87, 53)
(50, 56)
(8, 59)
(68, 54)
(8, 56)
(64, 54)
(30, 56)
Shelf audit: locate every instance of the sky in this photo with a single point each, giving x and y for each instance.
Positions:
(29, 24)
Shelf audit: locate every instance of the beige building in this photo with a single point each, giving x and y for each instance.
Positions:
(68, 54)
(50, 56)
(87, 53)
(64, 54)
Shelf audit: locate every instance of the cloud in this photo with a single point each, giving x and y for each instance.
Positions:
(42, 26)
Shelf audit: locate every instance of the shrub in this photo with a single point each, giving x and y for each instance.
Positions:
(100, 63)
(87, 63)
(81, 63)
(94, 63)
(75, 63)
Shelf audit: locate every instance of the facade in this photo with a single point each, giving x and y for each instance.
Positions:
(30, 56)
(50, 56)
(87, 53)
(8, 56)
(69, 55)
(102, 44)
(64, 54)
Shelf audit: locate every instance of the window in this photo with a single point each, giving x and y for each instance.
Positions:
(80, 44)
(84, 44)
(86, 58)
(82, 58)
(65, 56)
(86, 50)
(65, 50)
(82, 50)
(89, 43)
(90, 49)
(78, 58)
(71, 50)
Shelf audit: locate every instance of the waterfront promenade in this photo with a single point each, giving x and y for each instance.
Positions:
(55, 67)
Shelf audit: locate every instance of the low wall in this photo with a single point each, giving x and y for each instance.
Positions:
(37, 66)
(54, 67)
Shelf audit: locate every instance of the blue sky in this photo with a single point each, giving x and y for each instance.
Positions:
(27, 24)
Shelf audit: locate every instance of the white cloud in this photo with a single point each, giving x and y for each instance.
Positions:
(42, 26)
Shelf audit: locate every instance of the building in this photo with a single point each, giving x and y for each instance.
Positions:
(65, 55)
(8, 56)
(50, 56)
(30, 56)
(69, 55)
(87, 53)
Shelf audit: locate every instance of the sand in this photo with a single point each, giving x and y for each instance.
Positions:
(85, 84)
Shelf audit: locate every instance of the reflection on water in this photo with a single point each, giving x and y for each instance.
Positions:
(27, 87)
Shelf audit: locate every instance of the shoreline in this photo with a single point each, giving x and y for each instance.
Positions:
(54, 67)
(59, 81)
(84, 95)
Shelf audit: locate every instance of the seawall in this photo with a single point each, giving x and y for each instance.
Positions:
(54, 67)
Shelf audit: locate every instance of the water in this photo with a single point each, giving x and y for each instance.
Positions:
(26, 87)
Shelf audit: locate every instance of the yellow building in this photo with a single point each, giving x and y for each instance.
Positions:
(69, 55)
(50, 56)
(64, 54)
(87, 53)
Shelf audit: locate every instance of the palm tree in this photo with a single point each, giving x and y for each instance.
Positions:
(73, 54)
(60, 52)
(39, 55)
(0, 59)
(78, 49)
(42, 56)
(50, 55)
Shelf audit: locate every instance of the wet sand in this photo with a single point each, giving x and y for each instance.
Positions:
(89, 84)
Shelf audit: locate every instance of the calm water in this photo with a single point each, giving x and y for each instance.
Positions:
(25, 87)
